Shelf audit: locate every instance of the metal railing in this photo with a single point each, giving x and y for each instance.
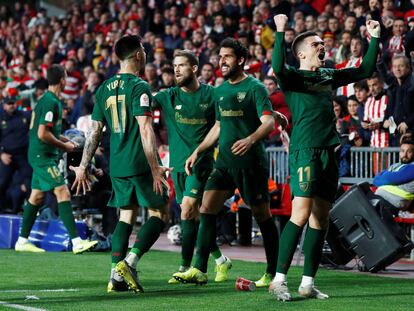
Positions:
(365, 162)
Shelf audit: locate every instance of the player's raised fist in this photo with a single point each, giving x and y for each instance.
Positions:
(281, 21)
(374, 28)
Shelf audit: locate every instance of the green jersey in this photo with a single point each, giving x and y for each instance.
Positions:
(48, 112)
(119, 100)
(309, 95)
(239, 108)
(189, 117)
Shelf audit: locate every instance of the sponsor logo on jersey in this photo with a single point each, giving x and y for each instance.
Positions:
(195, 191)
(231, 113)
(192, 121)
(144, 100)
(49, 116)
(241, 96)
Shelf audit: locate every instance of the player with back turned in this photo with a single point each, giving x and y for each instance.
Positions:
(313, 168)
(123, 103)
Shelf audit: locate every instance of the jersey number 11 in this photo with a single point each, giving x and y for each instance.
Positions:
(118, 117)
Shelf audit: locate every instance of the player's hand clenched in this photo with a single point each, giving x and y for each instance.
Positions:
(81, 180)
(241, 146)
(281, 21)
(374, 28)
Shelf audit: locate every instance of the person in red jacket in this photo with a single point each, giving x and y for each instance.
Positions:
(278, 104)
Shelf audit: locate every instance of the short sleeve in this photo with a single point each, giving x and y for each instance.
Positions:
(97, 113)
(48, 113)
(142, 100)
(262, 100)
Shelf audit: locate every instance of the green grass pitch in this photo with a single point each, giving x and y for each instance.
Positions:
(24, 274)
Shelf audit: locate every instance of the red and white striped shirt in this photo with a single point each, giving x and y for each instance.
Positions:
(348, 90)
(374, 112)
(396, 46)
(72, 87)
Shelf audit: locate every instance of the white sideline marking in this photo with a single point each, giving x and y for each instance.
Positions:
(39, 290)
(20, 307)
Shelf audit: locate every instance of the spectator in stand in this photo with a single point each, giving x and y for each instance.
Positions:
(361, 91)
(207, 74)
(167, 77)
(330, 48)
(14, 142)
(399, 115)
(279, 104)
(350, 24)
(354, 61)
(73, 81)
(333, 26)
(152, 77)
(344, 50)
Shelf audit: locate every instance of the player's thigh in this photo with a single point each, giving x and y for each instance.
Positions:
(327, 183)
(301, 210)
(179, 179)
(147, 197)
(36, 197)
(319, 218)
(195, 183)
(252, 184)
(305, 169)
(47, 177)
(219, 187)
(123, 193)
(128, 214)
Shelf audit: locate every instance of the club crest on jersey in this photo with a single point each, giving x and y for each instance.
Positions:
(203, 106)
(304, 186)
(178, 107)
(241, 96)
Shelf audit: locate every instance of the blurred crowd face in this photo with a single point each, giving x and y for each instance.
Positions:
(346, 39)
(398, 27)
(270, 85)
(333, 24)
(310, 23)
(356, 48)
(322, 23)
(183, 71)
(400, 67)
(350, 23)
(289, 36)
(337, 110)
(10, 107)
(375, 86)
(361, 95)
(207, 72)
(352, 107)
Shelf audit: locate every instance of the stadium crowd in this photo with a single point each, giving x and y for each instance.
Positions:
(373, 112)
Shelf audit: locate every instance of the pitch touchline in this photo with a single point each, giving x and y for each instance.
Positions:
(20, 307)
(39, 290)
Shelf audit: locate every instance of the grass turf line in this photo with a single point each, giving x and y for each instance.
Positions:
(90, 272)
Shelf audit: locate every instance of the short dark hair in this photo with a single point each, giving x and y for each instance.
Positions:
(352, 97)
(361, 85)
(239, 49)
(299, 39)
(127, 46)
(190, 55)
(407, 139)
(54, 74)
(271, 78)
(377, 76)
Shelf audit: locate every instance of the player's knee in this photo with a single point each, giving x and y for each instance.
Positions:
(36, 198)
(160, 213)
(189, 208)
(62, 194)
(261, 214)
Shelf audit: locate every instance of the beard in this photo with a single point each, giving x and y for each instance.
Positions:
(186, 81)
(231, 73)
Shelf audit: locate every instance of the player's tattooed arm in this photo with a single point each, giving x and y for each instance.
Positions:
(93, 139)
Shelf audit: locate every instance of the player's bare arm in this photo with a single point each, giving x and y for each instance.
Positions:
(208, 142)
(150, 150)
(242, 146)
(92, 142)
(47, 136)
(281, 119)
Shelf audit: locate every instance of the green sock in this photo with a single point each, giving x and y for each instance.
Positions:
(215, 251)
(313, 250)
(205, 240)
(65, 214)
(29, 217)
(270, 243)
(189, 237)
(120, 240)
(287, 246)
(147, 236)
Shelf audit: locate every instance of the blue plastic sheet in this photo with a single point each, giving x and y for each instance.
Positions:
(50, 235)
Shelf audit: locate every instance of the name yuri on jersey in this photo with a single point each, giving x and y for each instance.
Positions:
(114, 84)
